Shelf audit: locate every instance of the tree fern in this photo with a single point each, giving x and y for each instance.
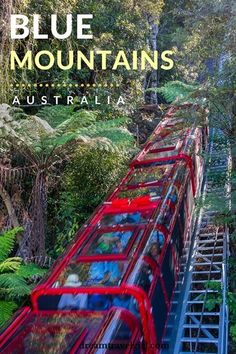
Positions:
(13, 285)
(113, 130)
(7, 241)
(66, 117)
(16, 278)
(55, 115)
(30, 270)
(78, 119)
(176, 91)
(6, 310)
(10, 264)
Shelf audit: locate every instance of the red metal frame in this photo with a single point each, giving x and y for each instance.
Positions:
(132, 290)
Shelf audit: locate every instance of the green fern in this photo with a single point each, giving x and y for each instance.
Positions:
(7, 242)
(16, 278)
(13, 285)
(78, 119)
(114, 130)
(55, 115)
(10, 265)
(66, 118)
(6, 310)
(176, 91)
(30, 270)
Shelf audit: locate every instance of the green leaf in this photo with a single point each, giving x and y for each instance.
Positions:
(13, 285)
(7, 241)
(176, 91)
(6, 310)
(10, 264)
(29, 270)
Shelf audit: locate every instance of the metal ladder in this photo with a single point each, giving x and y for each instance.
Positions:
(193, 326)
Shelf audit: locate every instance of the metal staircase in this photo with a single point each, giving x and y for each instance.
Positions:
(198, 320)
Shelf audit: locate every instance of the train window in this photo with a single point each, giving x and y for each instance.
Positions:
(43, 339)
(177, 238)
(106, 273)
(136, 243)
(169, 271)
(155, 245)
(160, 154)
(156, 163)
(180, 174)
(170, 140)
(154, 192)
(91, 302)
(142, 275)
(183, 214)
(190, 146)
(125, 218)
(190, 199)
(110, 242)
(159, 310)
(172, 194)
(150, 174)
(165, 216)
(52, 334)
(118, 335)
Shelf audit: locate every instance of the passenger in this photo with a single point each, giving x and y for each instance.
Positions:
(104, 245)
(173, 195)
(158, 237)
(117, 241)
(154, 251)
(145, 277)
(115, 270)
(104, 273)
(120, 218)
(71, 301)
(98, 273)
(107, 243)
(122, 239)
(99, 302)
(107, 220)
(134, 218)
(167, 217)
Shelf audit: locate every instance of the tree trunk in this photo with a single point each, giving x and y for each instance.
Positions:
(38, 213)
(233, 134)
(153, 77)
(10, 209)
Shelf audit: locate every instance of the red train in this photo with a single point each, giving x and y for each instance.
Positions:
(112, 289)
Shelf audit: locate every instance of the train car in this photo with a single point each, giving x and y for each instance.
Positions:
(114, 286)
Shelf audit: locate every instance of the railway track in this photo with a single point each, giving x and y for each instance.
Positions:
(198, 323)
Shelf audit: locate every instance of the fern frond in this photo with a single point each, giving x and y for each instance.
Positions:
(13, 285)
(6, 310)
(29, 270)
(66, 118)
(120, 136)
(78, 119)
(55, 115)
(103, 144)
(10, 265)
(7, 241)
(176, 91)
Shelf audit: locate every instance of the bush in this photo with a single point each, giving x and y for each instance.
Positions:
(85, 183)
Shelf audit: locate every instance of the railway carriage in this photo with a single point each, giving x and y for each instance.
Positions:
(112, 290)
